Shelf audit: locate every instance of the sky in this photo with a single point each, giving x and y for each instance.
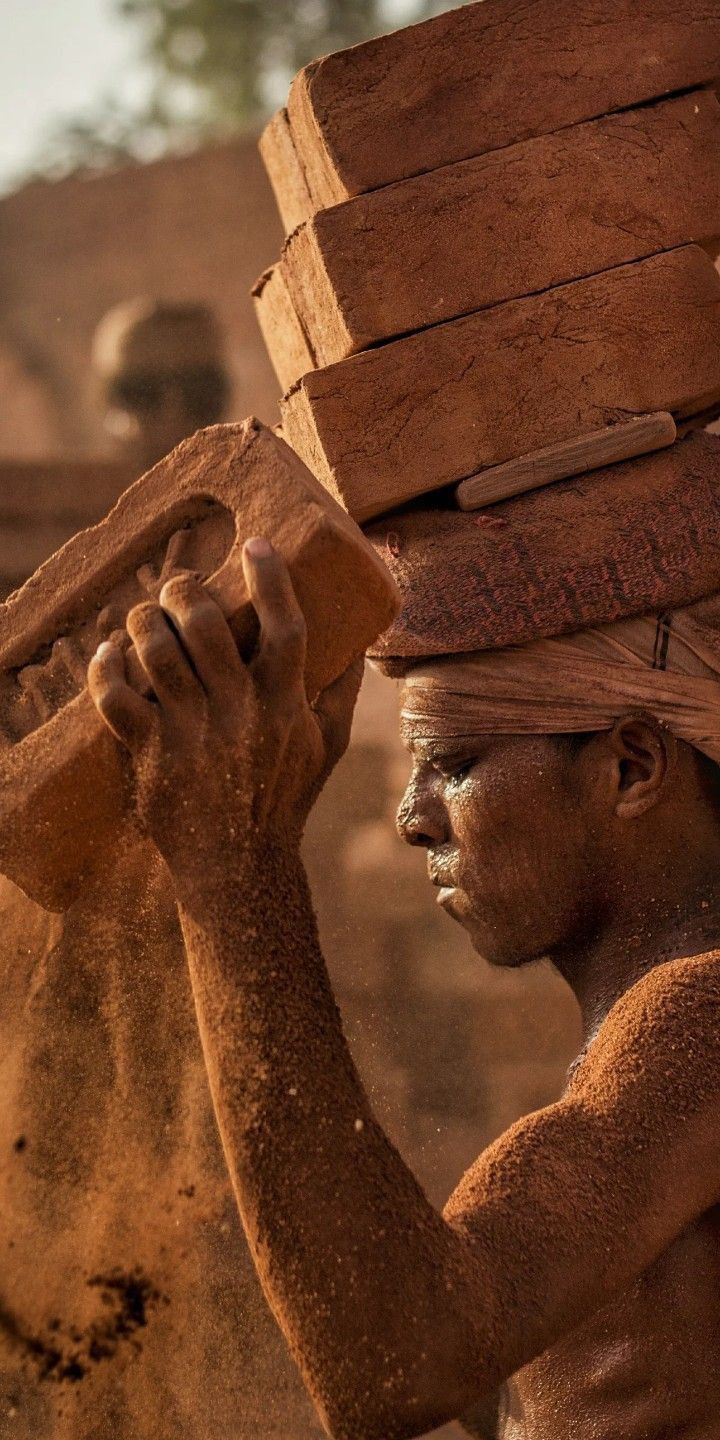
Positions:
(58, 58)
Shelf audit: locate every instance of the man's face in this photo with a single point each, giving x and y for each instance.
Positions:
(510, 828)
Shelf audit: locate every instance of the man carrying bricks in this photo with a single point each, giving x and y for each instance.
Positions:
(567, 798)
(501, 233)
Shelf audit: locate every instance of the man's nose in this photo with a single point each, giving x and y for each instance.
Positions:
(421, 818)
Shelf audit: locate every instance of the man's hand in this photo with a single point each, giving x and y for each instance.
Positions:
(224, 753)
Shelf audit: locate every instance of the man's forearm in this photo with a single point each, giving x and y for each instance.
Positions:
(353, 1258)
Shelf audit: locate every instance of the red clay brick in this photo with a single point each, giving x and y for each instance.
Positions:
(61, 777)
(419, 413)
(480, 77)
(280, 159)
(495, 228)
(282, 330)
(634, 538)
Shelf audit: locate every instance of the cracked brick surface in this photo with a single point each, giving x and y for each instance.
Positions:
(520, 220)
(422, 412)
(478, 78)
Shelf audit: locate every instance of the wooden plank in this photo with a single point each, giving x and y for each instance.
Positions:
(481, 77)
(282, 331)
(608, 446)
(281, 162)
(495, 228)
(430, 410)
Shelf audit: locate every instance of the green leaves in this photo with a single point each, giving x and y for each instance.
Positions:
(240, 55)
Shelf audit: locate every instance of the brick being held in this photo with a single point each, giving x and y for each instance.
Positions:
(63, 790)
(504, 225)
(422, 412)
(473, 80)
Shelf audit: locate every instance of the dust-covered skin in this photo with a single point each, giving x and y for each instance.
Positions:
(584, 1239)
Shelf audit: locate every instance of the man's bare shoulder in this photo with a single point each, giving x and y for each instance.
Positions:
(661, 1040)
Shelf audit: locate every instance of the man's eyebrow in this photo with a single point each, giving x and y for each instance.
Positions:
(430, 751)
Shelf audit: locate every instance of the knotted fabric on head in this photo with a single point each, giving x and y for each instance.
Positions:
(667, 665)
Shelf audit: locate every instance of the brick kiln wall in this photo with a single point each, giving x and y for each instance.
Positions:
(199, 227)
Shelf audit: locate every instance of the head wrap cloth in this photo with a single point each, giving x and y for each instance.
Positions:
(561, 610)
(578, 683)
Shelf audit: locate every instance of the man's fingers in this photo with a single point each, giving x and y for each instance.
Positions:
(334, 710)
(160, 652)
(130, 718)
(280, 661)
(205, 634)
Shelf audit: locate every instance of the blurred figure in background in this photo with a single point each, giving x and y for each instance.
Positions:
(163, 373)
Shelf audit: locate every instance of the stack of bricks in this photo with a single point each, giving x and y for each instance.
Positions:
(502, 225)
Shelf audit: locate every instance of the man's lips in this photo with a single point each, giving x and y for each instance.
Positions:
(444, 879)
(444, 882)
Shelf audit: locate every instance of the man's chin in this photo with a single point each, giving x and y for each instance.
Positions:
(489, 945)
(501, 960)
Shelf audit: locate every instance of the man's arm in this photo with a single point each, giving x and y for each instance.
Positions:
(399, 1317)
(482, 1423)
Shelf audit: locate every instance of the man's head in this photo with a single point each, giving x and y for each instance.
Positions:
(163, 375)
(540, 842)
(570, 784)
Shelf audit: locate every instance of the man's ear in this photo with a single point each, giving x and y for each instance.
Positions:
(646, 756)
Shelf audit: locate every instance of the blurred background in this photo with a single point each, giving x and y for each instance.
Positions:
(134, 218)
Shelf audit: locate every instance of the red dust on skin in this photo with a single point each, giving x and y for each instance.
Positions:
(545, 849)
(569, 1266)
(481, 812)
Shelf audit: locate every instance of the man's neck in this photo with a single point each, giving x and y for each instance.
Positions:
(604, 965)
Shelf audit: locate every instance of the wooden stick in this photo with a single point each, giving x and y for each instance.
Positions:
(613, 443)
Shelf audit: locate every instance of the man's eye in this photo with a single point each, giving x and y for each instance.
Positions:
(455, 770)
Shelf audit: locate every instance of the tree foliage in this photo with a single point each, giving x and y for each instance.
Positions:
(231, 61)
(215, 67)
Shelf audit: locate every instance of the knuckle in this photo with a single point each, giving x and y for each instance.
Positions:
(113, 695)
(184, 590)
(296, 627)
(143, 616)
(290, 634)
(182, 582)
(203, 617)
(160, 650)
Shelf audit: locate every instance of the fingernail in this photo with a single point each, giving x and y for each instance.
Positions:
(259, 548)
(103, 648)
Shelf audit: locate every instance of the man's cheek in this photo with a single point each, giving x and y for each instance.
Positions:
(497, 865)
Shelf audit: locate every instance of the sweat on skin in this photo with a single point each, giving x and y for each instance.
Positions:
(585, 1239)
